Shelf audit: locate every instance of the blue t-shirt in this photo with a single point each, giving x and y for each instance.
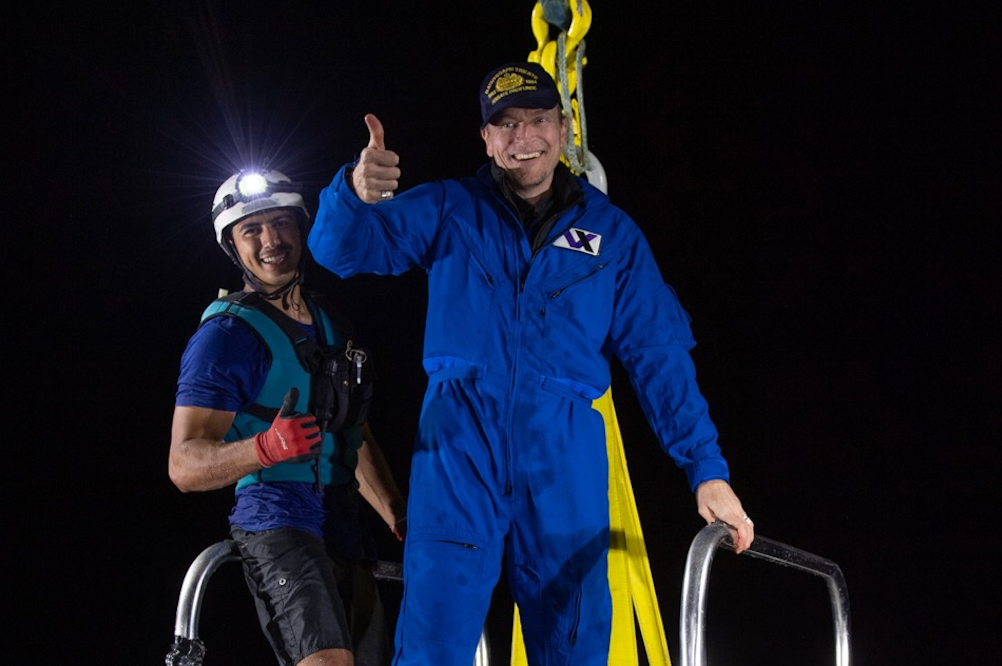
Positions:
(224, 367)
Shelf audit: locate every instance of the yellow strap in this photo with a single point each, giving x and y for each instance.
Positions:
(630, 579)
(564, 61)
(624, 519)
(518, 657)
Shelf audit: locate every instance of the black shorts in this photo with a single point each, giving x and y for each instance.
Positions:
(291, 578)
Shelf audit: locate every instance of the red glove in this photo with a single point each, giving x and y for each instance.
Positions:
(292, 437)
(400, 529)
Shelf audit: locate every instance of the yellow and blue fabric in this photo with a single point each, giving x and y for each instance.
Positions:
(510, 459)
(631, 583)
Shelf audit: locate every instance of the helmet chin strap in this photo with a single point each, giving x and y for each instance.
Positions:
(281, 292)
(251, 280)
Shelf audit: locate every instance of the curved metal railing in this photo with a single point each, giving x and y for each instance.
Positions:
(188, 649)
(692, 619)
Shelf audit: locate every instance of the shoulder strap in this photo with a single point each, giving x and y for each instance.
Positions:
(306, 348)
(339, 390)
(271, 328)
(341, 322)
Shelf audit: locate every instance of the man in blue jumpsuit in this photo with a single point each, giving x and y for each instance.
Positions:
(535, 282)
(243, 415)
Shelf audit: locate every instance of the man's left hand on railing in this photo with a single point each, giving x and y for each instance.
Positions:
(715, 500)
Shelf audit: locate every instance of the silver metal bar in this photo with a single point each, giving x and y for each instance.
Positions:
(692, 620)
(189, 605)
(483, 654)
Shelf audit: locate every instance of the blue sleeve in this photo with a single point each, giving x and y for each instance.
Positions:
(652, 338)
(350, 236)
(223, 367)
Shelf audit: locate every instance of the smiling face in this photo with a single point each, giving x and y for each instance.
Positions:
(526, 143)
(269, 244)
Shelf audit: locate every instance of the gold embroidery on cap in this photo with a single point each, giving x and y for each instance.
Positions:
(506, 83)
(510, 80)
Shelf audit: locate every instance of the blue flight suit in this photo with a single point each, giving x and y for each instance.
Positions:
(518, 344)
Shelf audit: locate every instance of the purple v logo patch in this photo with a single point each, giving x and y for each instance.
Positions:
(580, 241)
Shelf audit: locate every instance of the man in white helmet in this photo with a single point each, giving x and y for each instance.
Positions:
(261, 403)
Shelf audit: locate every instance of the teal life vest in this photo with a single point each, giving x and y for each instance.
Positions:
(292, 351)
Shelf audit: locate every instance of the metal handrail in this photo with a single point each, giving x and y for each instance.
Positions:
(188, 650)
(189, 604)
(692, 620)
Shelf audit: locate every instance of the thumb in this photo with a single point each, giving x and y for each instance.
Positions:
(289, 404)
(375, 132)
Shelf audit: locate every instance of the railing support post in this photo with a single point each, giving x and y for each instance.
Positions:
(692, 619)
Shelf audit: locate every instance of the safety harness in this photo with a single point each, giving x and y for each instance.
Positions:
(340, 380)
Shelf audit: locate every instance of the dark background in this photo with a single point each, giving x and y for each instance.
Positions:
(819, 181)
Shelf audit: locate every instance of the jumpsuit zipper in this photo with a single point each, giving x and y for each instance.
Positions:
(516, 360)
(517, 357)
(510, 399)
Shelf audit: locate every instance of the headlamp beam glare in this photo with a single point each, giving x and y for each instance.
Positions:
(252, 184)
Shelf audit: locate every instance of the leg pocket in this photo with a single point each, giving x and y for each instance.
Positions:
(447, 592)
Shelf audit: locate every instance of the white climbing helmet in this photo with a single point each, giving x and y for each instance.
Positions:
(250, 192)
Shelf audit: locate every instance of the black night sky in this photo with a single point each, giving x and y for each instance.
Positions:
(820, 182)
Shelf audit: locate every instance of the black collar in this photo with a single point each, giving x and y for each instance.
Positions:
(565, 191)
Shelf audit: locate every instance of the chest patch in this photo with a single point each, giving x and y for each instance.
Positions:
(580, 241)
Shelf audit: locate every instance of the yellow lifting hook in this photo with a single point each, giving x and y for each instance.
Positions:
(563, 59)
(546, 48)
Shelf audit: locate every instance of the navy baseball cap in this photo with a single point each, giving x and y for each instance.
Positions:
(523, 85)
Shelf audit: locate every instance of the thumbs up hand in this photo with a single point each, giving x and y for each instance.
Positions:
(375, 176)
(292, 437)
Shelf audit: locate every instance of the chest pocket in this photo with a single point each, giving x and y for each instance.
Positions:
(576, 312)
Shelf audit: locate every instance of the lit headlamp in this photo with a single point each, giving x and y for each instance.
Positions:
(250, 186)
